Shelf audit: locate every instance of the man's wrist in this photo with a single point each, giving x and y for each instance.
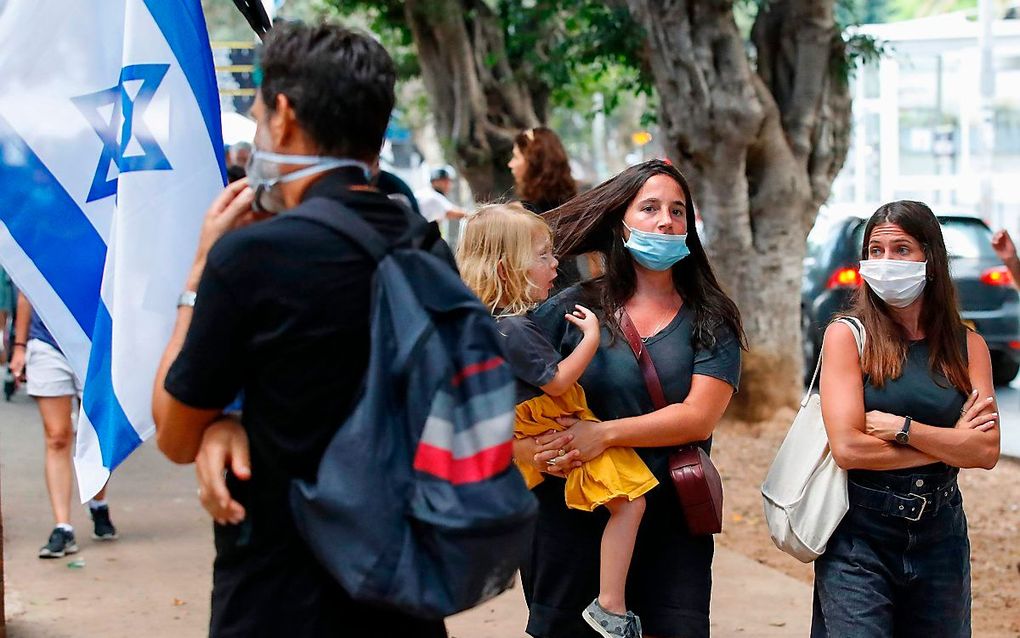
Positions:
(195, 276)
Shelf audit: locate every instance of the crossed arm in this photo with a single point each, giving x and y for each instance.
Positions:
(866, 441)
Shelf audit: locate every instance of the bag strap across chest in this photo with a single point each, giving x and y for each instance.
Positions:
(645, 363)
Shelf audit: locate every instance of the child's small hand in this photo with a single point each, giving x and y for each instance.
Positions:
(585, 320)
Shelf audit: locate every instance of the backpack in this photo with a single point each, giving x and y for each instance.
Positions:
(416, 504)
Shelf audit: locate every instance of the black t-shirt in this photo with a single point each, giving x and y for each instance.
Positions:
(282, 313)
(531, 357)
(613, 382)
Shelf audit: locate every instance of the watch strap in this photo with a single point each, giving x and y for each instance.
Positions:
(187, 298)
(903, 436)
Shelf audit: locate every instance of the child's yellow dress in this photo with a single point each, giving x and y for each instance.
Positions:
(617, 472)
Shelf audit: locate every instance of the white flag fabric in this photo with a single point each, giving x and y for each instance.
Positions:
(110, 152)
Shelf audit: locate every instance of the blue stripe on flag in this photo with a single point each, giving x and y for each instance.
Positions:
(117, 438)
(50, 227)
(189, 40)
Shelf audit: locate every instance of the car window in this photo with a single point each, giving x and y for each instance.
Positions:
(965, 238)
(816, 238)
(823, 237)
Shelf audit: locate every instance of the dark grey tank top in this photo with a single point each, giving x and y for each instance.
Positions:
(923, 394)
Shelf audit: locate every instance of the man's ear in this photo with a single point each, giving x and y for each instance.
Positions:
(283, 124)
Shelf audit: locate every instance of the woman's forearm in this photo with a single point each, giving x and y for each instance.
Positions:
(23, 320)
(856, 450)
(674, 424)
(959, 447)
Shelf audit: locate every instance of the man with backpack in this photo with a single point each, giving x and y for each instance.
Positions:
(278, 306)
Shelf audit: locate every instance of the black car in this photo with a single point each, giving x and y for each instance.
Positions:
(987, 297)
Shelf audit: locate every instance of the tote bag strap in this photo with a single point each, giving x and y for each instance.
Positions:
(857, 328)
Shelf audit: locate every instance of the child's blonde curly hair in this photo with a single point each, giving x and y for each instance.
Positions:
(495, 252)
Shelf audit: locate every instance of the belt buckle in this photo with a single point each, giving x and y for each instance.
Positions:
(924, 503)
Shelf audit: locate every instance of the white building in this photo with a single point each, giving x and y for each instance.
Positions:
(917, 118)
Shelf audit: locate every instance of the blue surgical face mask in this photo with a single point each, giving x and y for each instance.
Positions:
(656, 251)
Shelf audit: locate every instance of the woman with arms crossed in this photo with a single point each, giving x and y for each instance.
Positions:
(903, 419)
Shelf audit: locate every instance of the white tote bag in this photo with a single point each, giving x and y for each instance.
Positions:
(805, 492)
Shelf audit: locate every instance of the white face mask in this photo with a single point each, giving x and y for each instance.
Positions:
(264, 177)
(897, 282)
(263, 172)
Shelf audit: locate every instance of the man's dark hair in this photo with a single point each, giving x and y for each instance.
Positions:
(339, 82)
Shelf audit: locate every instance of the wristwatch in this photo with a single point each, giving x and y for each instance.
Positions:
(187, 298)
(903, 436)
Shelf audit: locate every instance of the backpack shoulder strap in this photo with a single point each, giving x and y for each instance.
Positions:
(857, 328)
(336, 216)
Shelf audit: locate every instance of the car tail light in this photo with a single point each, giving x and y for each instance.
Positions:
(1014, 345)
(998, 276)
(844, 278)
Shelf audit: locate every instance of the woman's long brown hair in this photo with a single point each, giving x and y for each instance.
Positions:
(886, 345)
(593, 222)
(547, 181)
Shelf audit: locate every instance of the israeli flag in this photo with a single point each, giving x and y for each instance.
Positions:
(110, 152)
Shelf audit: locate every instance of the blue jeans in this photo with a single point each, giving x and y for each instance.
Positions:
(883, 575)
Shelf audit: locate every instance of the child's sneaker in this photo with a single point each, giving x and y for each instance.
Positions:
(103, 529)
(610, 625)
(60, 544)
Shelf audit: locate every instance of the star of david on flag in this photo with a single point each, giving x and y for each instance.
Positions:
(110, 152)
(124, 126)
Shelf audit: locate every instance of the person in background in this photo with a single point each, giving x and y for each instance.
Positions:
(1004, 247)
(394, 187)
(434, 204)
(7, 303)
(239, 155)
(543, 181)
(37, 361)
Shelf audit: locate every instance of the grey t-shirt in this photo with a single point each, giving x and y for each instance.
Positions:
(613, 382)
(531, 356)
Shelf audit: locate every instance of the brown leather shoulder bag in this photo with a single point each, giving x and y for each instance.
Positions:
(697, 481)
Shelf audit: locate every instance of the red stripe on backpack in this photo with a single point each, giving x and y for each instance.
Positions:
(476, 368)
(485, 464)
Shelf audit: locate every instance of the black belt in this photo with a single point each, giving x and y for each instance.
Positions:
(922, 502)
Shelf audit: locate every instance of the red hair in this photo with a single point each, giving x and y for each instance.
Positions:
(547, 179)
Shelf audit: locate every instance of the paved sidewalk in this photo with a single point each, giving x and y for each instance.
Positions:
(748, 599)
(155, 580)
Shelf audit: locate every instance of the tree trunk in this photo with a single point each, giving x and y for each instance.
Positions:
(760, 149)
(479, 103)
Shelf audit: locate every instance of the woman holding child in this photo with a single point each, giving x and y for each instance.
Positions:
(657, 275)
